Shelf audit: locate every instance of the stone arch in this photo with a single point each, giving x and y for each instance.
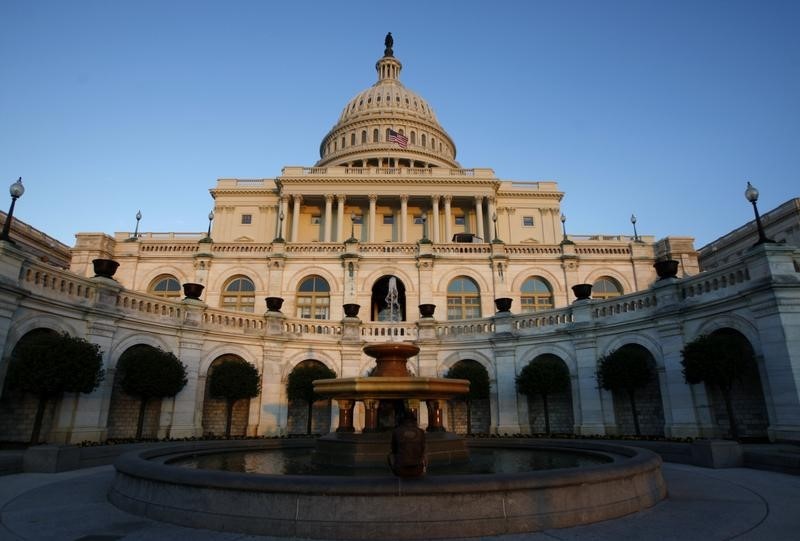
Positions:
(647, 342)
(475, 416)
(594, 275)
(649, 401)
(520, 277)
(152, 274)
(220, 350)
(378, 305)
(123, 409)
(408, 280)
(747, 396)
(444, 281)
(223, 278)
(146, 339)
(297, 411)
(447, 363)
(17, 408)
(214, 409)
(560, 405)
(325, 274)
(24, 325)
(734, 321)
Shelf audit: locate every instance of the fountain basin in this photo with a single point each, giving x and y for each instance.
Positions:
(387, 388)
(326, 507)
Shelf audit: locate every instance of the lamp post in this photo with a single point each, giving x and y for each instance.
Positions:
(494, 221)
(424, 227)
(136, 230)
(16, 190)
(208, 234)
(635, 234)
(352, 228)
(564, 227)
(752, 195)
(279, 238)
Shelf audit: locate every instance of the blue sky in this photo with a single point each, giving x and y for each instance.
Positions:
(664, 109)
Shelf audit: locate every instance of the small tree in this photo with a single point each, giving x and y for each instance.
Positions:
(719, 360)
(300, 385)
(626, 370)
(478, 378)
(233, 380)
(150, 373)
(48, 365)
(544, 377)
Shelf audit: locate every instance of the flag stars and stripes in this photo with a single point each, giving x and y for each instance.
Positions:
(399, 138)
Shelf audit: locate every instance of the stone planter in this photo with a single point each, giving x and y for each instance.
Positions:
(582, 291)
(503, 304)
(351, 309)
(104, 267)
(426, 310)
(192, 290)
(274, 304)
(666, 269)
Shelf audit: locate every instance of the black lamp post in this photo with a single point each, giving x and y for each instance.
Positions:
(16, 190)
(635, 234)
(424, 227)
(352, 228)
(279, 238)
(208, 233)
(136, 230)
(752, 195)
(564, 227)
(494, 220)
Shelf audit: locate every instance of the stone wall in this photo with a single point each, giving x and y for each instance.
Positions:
(749, 409)
(648, 406)
(214, 417)
(17, 413)
(559, 406)
(320, 417)
(481, 416)
(123, 415)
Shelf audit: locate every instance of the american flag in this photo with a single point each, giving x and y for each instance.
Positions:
(399, 138)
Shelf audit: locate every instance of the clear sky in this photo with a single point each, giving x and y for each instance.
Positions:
(664, 109)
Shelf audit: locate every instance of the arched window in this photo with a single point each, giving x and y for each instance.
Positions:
(387, 133)
(536, 295)
(165, 285)
(433, 143)
(413, 138)
(353, 139)
(363, 136)
(463, 299)
(239, 294)
(375, 135)
(606, 288)
(313, 298)
(342, 141)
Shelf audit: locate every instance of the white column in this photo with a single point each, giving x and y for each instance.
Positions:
(448, 219)
(295, 216)
(404, 218)
(372, 200)
(479, 215)
(340, 199)
(434, 218)
(328, 217)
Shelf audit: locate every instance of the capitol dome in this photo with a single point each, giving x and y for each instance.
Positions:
(363, 136)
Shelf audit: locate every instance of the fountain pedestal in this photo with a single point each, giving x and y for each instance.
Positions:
(389, 388)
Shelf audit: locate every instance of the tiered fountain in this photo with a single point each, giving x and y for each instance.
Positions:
(386, 393)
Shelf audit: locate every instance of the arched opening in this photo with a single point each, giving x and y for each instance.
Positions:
(166, 286)
(559, 408)
(214, 409)
(606, 287)
(649, 405)
(472, 413)
(239, 294)
(536, 294)
(297, 420)
(747, 397)
(463, 299)
(17, 408)
(379, 304)
(313, 298)
(123, 412)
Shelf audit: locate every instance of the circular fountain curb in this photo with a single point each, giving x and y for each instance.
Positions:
(386, 508)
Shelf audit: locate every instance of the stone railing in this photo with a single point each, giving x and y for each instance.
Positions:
(457, 248)
(225, 319)
(621, 305)
(315, 248)
(130, 301)
(382, 171)
(395, 248)
(732, 275)
(403, 330)
(318, 327)
(464, 328)
(538, 320)
(51, 281)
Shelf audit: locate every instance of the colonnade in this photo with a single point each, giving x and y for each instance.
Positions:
(436, 220)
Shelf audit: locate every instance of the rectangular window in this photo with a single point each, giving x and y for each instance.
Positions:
(460, 220)
(358, 219)
(315, 220)
(418, 219)
(247, 219)
(388, 219)
(527, 221)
